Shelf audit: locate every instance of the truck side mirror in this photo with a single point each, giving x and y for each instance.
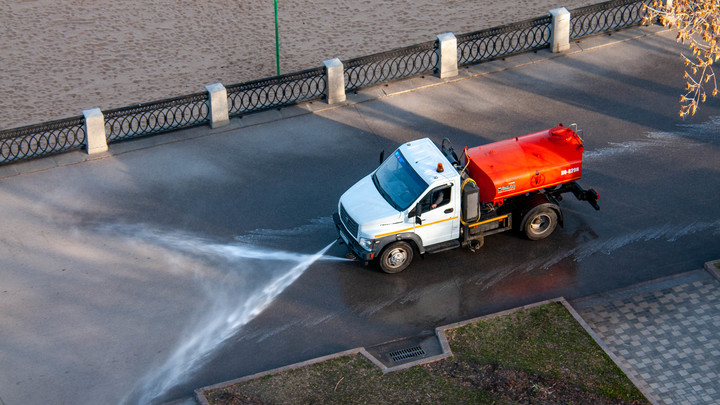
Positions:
(418, 213)
(382, 157)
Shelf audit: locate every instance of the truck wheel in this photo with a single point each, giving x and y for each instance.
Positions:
(396, 257)
(540, 223)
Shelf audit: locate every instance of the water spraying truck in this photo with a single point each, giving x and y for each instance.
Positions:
(423, 199)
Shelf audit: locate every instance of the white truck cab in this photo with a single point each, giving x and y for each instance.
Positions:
(412, 196)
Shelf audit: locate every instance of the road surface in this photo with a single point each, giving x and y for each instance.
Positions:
(193, 258)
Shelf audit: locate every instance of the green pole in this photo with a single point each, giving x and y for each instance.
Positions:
(277, 40)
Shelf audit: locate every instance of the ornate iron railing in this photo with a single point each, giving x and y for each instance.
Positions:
(603, 17)
(273, 92)
(258, 95)
(504, 41)
(395, 64)
(41, 139)
(156, 117)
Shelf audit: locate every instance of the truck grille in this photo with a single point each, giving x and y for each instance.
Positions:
(349, 223)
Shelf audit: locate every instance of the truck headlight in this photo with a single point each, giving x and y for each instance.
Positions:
(367, 244)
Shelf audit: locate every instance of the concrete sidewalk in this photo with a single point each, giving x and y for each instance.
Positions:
(665, 333)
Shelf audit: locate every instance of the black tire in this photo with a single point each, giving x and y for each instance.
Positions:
(396, 257)
(540, 223)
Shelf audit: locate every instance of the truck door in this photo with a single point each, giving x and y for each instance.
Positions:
(439, 218)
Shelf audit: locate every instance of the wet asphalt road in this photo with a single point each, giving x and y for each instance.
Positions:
(658, 178)
(275, 186)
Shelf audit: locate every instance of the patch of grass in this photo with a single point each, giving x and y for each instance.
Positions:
(540, 355)
(546, 342)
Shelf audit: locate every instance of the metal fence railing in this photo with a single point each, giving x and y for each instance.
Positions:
(489, 44)
(396, 64)
(604, 17)
(274, 92)
(156, 117)
(41, 139)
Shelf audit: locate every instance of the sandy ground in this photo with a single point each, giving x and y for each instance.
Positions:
(58, 57)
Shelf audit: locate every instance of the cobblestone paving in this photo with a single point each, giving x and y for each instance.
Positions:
(667, 338)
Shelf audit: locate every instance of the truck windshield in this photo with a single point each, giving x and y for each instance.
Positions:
(398, 183)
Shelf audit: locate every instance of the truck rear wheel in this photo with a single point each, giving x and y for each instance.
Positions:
(396, 257)
(540, 223)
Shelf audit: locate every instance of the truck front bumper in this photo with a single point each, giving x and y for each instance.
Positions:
(350, 241)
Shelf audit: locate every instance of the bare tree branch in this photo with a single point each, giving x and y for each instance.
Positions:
(698, 25)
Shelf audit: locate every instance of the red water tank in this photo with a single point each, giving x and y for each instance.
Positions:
(526, 163)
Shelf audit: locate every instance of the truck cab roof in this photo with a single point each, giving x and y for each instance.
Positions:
(424, 157)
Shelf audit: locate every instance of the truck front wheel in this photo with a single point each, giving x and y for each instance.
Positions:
(540, 223)
(396, 257)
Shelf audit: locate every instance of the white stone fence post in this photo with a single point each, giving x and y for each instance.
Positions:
(447, 55)
(95, 138)
(560, 30)
(335, 79)
(217, 105)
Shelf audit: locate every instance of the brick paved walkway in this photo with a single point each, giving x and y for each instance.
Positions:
(666, 334)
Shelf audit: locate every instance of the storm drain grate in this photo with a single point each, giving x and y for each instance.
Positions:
(407, 353)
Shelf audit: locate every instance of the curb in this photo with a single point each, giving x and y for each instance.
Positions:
(441, 335)
(203, 401)
(713, 267)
